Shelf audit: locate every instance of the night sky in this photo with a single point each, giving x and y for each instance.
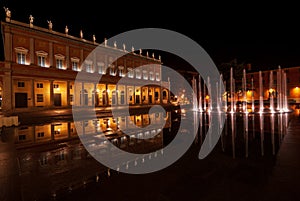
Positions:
(263, 36)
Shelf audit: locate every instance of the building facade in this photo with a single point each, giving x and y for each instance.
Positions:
(284, 81)
(39, 67)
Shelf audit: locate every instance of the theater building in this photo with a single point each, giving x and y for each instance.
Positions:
(39, 66)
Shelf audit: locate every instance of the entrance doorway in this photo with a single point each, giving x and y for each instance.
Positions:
(21, 100)
(57, 99)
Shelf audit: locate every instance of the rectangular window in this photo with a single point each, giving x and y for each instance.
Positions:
(157, 77)
(39, 85)
(75, 66)
(145, 75)
(21, 84)
(20, 58)
(41, 61)
(55, 86)
(101, 69)
(138, 74)
(130, 73)
(71, 98)
(59, 64)
(22, 137)
(151, 76)
(39, 98)
(112, 70)
(40, 134)
(89, 68)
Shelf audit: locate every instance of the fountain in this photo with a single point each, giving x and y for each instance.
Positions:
(271, 93)
(261, 100)
(245, 109)
(279, 103)
(285, 101)
(194, 86)
(209, 106)
(200, 94)
(231, 91)
(252, 95)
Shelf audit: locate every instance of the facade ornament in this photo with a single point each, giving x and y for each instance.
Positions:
(66, 30)
(94, 38)
(8, 14)
(81, 34)
(50, 25)
(31, 18)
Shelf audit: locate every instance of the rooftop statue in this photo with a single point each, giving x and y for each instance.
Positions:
(8, 14)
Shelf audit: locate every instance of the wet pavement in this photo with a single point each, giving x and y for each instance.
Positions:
(220, 176)
(284, 183)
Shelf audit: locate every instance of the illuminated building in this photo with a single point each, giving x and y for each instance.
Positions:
(39, 66)
(292, 84)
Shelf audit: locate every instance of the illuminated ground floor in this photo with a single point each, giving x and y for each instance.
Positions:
(39, 93)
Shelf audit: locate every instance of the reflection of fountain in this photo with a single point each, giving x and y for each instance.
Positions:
(272, 133)
(246, 134)
(262, 134)
(233, 121)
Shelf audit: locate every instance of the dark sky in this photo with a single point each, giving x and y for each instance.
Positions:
(263, 36)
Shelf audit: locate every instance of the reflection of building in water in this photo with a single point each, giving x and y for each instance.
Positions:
(63, 163)
(40, 65)
(108, 126)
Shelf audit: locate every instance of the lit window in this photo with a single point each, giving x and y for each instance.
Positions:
(55, 86)
(75, 64)
(39, 98)
(41, 58)
(121, 71)
(60, 61)
(130, 73)
(21, 55)
(112, 70)
(145, 75)
(138, 74)
(157, 77)
(89, 66)
(101, 68)
(151, 76)
(41, 61)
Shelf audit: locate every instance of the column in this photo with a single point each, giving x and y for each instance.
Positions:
(67, 58)
(32, 93)
(68, 93)
(31, 50)
(51, 94)
(50, 54)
